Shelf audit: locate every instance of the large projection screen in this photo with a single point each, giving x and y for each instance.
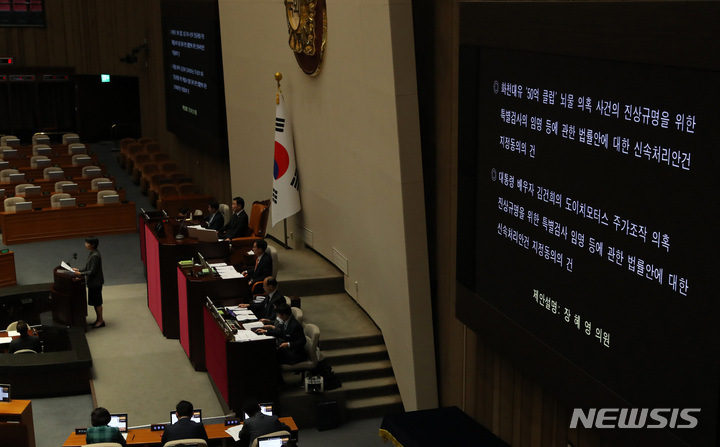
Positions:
(588, 150)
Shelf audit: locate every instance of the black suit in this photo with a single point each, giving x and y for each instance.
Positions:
(215, 221)
(265, 309)
(263, 269)
(292, 333)
(184, 428)
(25, 342)
(260, 424)
(237, 227)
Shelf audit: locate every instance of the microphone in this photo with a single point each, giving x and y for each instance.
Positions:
(164, 213)
(145, 214)
(74, 258)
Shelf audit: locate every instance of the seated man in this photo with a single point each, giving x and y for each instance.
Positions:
(265, 310)
(290, 334)
(215, 220)
(257, 423)
(25, 341)
(184, 428)
(263, 263)
(238, 225)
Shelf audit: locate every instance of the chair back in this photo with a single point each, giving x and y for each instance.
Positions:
(186, 189)
(55, 198)
(107, 192)
(169, 167)
(76, 148)
(12, 326)
(5, 173)
(152, 147)
(186, 442)
(258, 218)
(107, 444)
(9, 140)
(312, 335)
(34, 160)
(124, 142)
(91, 171)
(46, 171)
(274, 434)
(25, 351)
(225, 211)
(298, 314)
(68, 138)
(80, 160)
(40, 138)
(20, 189)
(59, 185)
(167, 190)
(159, 157)
(94, 182)
(10, 202)
(42, 149)
(144, 140)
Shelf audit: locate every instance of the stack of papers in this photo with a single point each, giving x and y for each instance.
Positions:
(227, 271)
(246, 335)
(234, 431)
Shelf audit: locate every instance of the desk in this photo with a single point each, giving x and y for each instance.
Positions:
(63, 223)
(48, 186)
(81, 198)
(61, 160)
(7, 269)
(144, 436)
(69, 171)
(440, 426)
(16, 424)
(192, 290)
(239, 370)
(162, 253)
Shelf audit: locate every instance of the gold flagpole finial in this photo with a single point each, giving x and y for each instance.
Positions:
(278, 78)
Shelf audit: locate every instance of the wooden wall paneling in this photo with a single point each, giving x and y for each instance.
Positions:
(29, 52)
(505, 380)
(73, 33)
(55, 35)
(518, 409)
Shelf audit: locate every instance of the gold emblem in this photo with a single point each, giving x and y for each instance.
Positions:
(307, 27)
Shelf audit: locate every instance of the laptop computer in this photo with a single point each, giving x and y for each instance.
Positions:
(266, 408)
(196, 417)
(4, 393)
(275, 441)
(119, 420)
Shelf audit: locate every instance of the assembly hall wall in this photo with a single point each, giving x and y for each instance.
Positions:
(91, 36)
(356, 134)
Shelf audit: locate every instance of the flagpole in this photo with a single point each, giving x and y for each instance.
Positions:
(278, 78)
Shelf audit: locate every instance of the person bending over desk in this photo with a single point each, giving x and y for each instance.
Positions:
(25, 341)
(184, 428)
(101, 431)
(265, 310)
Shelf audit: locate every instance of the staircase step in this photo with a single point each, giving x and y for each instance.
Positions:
(349, 342)
(374, 406)
(355, 354)
(379, 386)
(365, 370)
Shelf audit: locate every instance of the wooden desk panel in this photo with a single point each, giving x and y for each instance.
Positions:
(172, 205)
(19, 413)
(63, 223)
(7, 269)
(144, 436)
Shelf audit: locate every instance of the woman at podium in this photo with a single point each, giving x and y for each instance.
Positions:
(94, 279)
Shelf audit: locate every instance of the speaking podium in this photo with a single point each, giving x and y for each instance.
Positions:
(69, 301)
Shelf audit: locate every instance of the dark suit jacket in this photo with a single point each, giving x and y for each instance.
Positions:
(27, 342)
(184, 428)
(93, 270)
(265, 308)
(260, 424)
(217, 222)
(292, 333)
(263, 270)
(237, 227)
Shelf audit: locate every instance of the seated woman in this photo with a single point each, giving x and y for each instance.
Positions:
(100, 431)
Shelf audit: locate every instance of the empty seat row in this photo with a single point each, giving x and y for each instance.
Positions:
(58, 200)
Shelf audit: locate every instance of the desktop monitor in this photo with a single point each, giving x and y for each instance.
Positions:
(12, 142)
(265, 408)
(33, 191)
(275, 441)
(92, 173)
(4, 165)
(82, 161)
(43, 162)
(196, 417)
(70, 202)
(70, 187)
(4, 393)
(119, 420)
(102, 186)
(23, 206)
(9, 153)
(42, 139)
(2, 193)
(46, 151)
(17, 178)
(56, 175)
(71, 139)
(111, 198)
